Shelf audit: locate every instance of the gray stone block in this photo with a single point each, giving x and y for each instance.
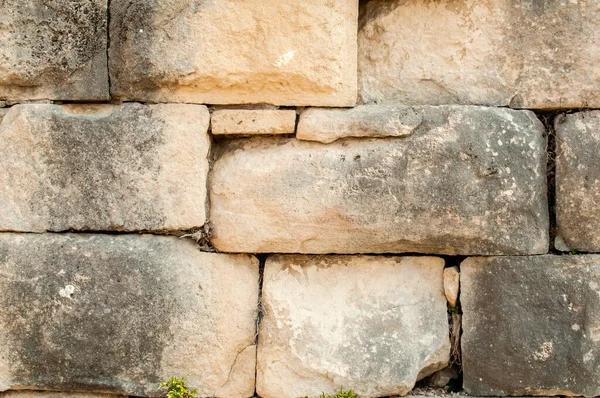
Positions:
(120, 314)
(531, 325)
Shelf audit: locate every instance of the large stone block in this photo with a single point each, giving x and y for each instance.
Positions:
(529, 54)
(53, 49)
(578, 180)
(102, 167)
(295, 52)
(120, 314)
(531, 325)
(374, 324)
(468, 180)
(54, 394)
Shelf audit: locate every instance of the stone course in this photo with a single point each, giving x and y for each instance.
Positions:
(295, 52)
(470, 180)
(53, 49)
(119, 314)
(376, 324)
(532, 54)
(531, 325)
(578, 180)
(103, 167)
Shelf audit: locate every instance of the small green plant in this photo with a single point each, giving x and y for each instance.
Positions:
(340, 394)
(574, 251)
(176, 388)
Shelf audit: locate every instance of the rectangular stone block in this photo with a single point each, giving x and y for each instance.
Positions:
(53, 49)
(54, 394)
(102, 167)
(295, 52)
(578, 180)
(529, 54)
(120, 314)
(469, 180)
(253, 122)
(329, 124)
(373, 324)
(531, 325)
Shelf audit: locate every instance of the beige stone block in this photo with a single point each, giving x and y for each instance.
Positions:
(295, 52)
(373, 324)
(131, 167)
(122, 313)
(327, 125)
(253, 122)
(451, 285)
(532, 54)
(53, 50)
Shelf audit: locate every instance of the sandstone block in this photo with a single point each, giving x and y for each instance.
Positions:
(53, 49)
(327, 125)
(54, 394)
(531, 325)
(253, 122)
(578, 180)
(469, 180)
(102, 167)
(296, 52)
(374, 324)
(451, 285)
(120, 314)
(532, 54)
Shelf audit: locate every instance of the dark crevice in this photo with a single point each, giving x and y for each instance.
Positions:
(260, 309)
(107, 49)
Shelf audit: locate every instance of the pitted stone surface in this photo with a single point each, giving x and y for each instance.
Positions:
(375, 324)
(531, 325)
(530, 54)
(327, 125)
(120, 314)
(103, 167)
(578, 180)
(54, 394)
(53, 49)
(253, 122)
(469, 180)
(295, 52)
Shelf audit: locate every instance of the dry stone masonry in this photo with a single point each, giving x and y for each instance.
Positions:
(282, 199)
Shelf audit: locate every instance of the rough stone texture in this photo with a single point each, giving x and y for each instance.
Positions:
(3, 112)
(530, 54)
(578, 181)
(451, 285)
(53, 49)
(469, 180)
(327, 125)
(102, 167)
(531, 325)
(374, 324)
(119, 314)
(253, 122)
(295, 52)
(54, 394)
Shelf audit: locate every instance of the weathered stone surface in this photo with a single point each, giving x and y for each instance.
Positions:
(469, 180)
(53, 49)
(294, 52)
(532, 54)
(253, 122)
(328, 125)
(122, 313)
(102, 167)
(374, 324)
(578, 180)
(3, 112)
(531, 325)
(451, 285)
(54, 394)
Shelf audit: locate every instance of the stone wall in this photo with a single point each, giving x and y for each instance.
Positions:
(284, 198)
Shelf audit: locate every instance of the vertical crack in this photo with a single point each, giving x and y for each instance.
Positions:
(107, 49)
